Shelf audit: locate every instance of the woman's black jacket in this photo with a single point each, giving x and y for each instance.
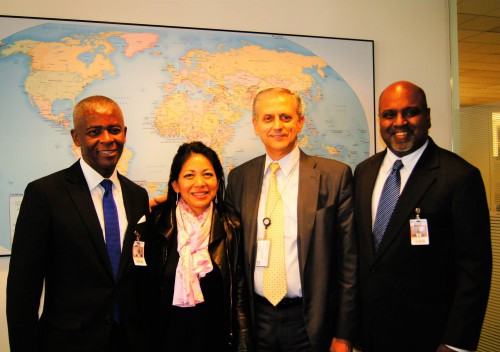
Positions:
(225, 249)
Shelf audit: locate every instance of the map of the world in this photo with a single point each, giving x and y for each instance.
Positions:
(173, 85)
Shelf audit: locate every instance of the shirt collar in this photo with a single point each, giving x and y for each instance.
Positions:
(93, 178)
(287, 163)
(409, 161)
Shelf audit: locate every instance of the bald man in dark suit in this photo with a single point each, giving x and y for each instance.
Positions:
(424, 286)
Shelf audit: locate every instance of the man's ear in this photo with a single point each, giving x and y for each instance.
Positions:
(76, 140)
(302, 120)
(254, 123)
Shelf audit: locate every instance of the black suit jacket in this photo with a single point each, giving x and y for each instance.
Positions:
(416, 297)
(326, 243)
(58, 239)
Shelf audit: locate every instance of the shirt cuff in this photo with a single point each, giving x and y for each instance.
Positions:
(457, 349)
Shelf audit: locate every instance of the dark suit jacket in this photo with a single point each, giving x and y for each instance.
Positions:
(58, 239)
(416, 297)
(326, 244)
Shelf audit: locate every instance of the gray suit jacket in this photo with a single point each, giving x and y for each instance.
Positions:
(326, 245)
(415, 297)
(58, 239)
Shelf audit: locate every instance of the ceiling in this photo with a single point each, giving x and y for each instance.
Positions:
(479, 51)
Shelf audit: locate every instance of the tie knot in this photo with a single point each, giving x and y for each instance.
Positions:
(107, 184)
(398, 164)
(274, 167)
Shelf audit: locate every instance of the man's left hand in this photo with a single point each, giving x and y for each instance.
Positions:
(444, 348)
(339, 345)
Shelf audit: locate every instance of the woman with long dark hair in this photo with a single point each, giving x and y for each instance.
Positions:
(197, 273)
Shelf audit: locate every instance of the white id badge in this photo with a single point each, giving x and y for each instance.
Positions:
(263, 247)
(138, 253)
(419, 232)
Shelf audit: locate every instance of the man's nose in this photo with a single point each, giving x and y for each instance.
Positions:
(106, 137)
(277, 124)
(400, 119)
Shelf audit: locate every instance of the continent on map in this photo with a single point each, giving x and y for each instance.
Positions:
(64, 69)
(227, 82)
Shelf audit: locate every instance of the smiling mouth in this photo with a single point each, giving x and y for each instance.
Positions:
(199, 194)
(107, 152)
(401, 134)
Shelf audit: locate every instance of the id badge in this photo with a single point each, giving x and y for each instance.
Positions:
(263, 247)
(138, 253)
(419, 232)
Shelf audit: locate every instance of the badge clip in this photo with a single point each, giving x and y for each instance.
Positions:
(419, 230)
(138, 250)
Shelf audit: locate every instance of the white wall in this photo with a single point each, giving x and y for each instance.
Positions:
(411, 41)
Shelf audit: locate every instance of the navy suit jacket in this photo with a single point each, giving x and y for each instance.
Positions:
(326, 242)
(58, 240)
(415, 297)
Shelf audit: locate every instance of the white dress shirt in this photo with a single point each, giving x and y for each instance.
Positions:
(288, 185)
(409, 162)
(94, 179)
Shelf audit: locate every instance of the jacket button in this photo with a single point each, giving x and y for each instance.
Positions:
(373, 270)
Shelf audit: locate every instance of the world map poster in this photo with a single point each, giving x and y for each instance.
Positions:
(174, 85)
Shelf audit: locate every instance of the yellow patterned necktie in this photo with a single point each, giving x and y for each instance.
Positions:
(274, 274)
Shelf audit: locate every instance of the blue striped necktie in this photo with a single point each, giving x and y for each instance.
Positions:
(387, 202)
(111, 226)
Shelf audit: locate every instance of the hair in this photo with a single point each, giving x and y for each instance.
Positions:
(93, 103)
(180, 158)
(277, 90)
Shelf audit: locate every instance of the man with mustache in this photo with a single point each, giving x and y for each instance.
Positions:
(425, 272)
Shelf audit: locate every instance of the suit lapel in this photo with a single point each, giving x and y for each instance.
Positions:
(415, 189)
(129, 237)
(307, 201)
(365, 187)
(80, 194)
(252, 185)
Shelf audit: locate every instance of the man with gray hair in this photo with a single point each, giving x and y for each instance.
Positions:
(75, 233)
(299, 247)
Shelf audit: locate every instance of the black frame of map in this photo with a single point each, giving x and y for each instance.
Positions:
(351, 60)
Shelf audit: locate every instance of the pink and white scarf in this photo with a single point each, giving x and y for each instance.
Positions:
(194, 260)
